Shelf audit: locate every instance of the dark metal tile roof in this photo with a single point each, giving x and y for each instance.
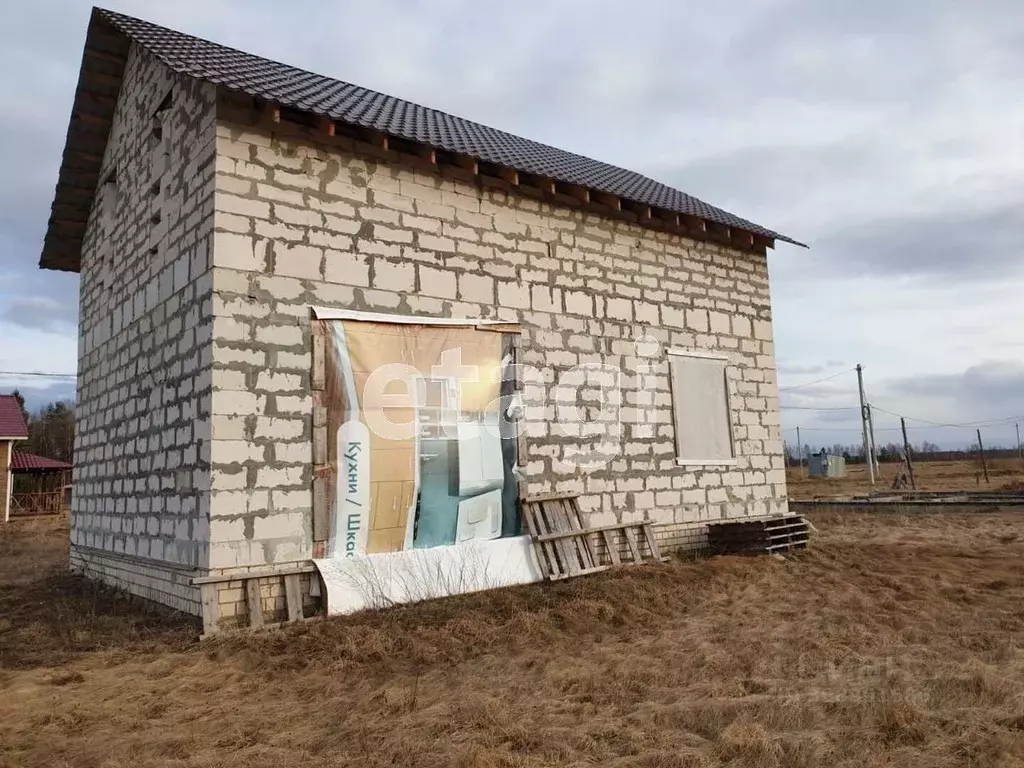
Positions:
(291, 87)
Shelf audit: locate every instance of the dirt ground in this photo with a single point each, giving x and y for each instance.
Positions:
(894, 641)
(1004, 475)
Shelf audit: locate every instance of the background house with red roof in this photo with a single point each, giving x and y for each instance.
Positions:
(13, 428)
(47, 492)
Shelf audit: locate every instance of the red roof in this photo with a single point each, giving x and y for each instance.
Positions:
(12, 423)
(27, 462)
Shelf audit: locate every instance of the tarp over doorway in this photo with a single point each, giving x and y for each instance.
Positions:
(421, 454)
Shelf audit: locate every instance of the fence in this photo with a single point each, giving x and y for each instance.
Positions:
(38, 503)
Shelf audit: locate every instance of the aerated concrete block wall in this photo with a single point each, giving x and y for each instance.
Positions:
(140, 505)
(303, 219)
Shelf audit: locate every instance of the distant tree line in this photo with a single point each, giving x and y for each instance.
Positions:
(893, 452)
(51, 430)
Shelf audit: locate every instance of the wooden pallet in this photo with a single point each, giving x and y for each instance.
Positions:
(759, 537)
(565, 547)
(254, 619)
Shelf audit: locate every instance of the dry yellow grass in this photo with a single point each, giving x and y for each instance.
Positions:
(893, 642)
(932, 476)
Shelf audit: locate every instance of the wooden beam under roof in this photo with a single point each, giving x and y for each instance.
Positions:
(544, 184)
(541, 187)
(606, 199)
(471, 164)
(743, 238)
(573, 190)
(326, 125)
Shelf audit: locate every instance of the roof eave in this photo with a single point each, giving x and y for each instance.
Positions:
(99, 83)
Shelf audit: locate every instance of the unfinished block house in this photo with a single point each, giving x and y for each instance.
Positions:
(256, 243)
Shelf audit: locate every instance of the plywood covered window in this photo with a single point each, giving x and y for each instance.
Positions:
(700, 408)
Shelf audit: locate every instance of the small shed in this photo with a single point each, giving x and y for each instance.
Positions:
(826, 465)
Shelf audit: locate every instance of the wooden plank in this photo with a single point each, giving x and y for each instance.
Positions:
(510, 175)
(546, 549)
(320, 509)
(612, 546)
(745, 239)
(293, 596)
(583, 544)
(558, 564)
(327, 126)
(471, 164)
(550, 514)
(550, 497)
(574, 190)
(631, 542)
(587, 531)
(611, 201)
(652, 544)
(577, 547)
(319, 412)
(541, 183)
(319, 372)
(266, 571)
(693, 223)
(211, 609)
(428, 153)
(253, 603)
(319, 446)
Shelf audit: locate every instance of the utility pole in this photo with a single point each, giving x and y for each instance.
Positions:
(981, 450)
(864, 425)
(800, 449)
(906, 453)
(1020, 456)
(874, 445)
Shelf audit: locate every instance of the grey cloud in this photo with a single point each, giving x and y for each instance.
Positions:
(987, 390)
(963, 246)
(946, 242)
(41, 313)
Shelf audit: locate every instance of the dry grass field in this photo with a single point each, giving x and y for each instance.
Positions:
(895, 641)
(1004, 475)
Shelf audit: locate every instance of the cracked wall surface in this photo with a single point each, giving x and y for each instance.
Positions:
(303, 219)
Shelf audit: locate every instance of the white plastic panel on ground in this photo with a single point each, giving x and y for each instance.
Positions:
(479, 518)
(382, 580)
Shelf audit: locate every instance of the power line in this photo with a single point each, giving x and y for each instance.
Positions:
(812, 408)
(838, 429)
(966, 425)
(816, 381)
(39, 373)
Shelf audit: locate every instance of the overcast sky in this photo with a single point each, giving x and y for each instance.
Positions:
(887, 135)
